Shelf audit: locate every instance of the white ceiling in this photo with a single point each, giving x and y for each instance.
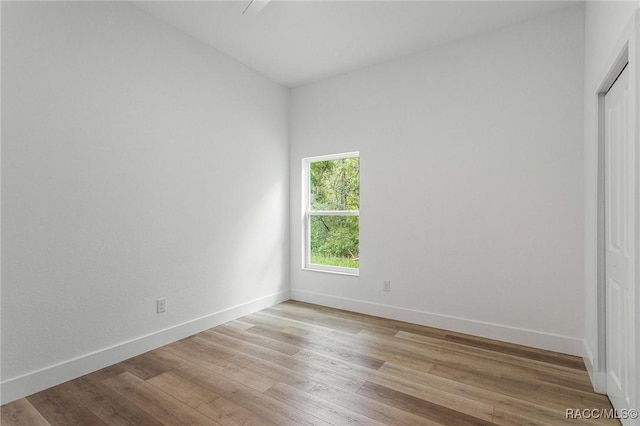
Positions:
(297, 42)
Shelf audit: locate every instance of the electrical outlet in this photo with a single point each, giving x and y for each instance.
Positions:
(386, 286)
(161, 305)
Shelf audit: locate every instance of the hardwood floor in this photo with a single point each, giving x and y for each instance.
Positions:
(301, 364)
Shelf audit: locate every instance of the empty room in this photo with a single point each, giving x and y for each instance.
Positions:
(256, 212)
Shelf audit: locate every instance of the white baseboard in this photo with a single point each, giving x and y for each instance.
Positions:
(521, 336)
(36, 381)
(598, 378)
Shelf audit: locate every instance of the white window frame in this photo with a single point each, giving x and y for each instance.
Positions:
(307, 213)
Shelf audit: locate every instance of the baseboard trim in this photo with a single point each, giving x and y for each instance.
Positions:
(33, 382)
(536, 339)
(598, 378)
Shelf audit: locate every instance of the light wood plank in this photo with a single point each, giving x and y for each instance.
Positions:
(207, 402)
(509, 363)
(256, 402)
(346, 352)
(22, 413)
(325, 374)
(109, 406)
(325, 410)
(293, 370)
(287, 348)
(302, 364)
(434, 395)
(421, 407)
(57, 406)
(221, 365)
(160, 405)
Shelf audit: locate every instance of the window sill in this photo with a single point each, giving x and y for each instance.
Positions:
(313, 268)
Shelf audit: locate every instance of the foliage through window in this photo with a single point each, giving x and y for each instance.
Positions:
(332, 213)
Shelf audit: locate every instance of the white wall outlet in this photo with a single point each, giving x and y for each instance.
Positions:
(386, 285)
(161, 305)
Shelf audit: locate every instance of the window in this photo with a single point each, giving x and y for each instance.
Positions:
(331, 205)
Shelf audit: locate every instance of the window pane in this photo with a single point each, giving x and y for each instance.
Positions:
(335, 184)
(334, 241)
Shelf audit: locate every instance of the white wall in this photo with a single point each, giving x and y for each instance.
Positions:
(604, 25)
(137, 163)
(471, 183)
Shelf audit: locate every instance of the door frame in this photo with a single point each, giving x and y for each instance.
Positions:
(627, 54)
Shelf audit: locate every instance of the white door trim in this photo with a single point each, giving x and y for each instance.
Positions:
(627, 53)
